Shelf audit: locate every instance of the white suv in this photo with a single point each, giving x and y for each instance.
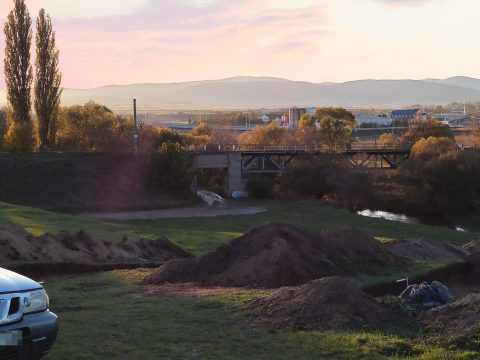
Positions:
(27, 328)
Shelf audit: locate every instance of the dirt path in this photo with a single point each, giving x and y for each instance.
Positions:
(188, 212)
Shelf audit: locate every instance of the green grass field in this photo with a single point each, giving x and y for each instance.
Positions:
(200, 235)
(106, 315)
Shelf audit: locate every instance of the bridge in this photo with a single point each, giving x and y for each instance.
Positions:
(240, 160)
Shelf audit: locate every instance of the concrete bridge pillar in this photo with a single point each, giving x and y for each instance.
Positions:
(233, 175)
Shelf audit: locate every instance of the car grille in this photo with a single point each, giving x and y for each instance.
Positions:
(9, 353)
(14, 306)
(10, 309)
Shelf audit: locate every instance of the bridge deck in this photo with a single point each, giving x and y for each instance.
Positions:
(297, 150)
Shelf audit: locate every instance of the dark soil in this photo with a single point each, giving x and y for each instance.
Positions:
(275, 255)
(19, 247)
(427, 249)
(461, 318)
(325, 304)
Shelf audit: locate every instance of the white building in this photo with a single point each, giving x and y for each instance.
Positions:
(377, 120)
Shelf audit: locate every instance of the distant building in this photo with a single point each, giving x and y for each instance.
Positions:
(294, 116)
(454, 120)
(377, 120)
(265, 119)
(408, 114)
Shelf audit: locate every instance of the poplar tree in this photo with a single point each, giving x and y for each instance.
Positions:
(18, 77)
(47, 81)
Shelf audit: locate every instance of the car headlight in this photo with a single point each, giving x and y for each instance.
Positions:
(36, 301)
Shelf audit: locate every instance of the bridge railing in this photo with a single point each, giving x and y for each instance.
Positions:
(364, 146)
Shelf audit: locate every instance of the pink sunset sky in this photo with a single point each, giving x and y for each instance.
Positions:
(136, 41)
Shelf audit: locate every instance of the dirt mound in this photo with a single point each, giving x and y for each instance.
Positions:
(426, 249)
(16, 245)
(328, 303)
(275, 255)
(460, 318)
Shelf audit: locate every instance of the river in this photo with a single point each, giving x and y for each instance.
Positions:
(378, 214)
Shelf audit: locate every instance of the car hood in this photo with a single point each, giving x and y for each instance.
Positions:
(13, 282)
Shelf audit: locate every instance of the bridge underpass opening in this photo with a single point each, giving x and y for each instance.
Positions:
(229, 163)
(211, 179)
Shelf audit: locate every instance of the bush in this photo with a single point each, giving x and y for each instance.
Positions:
(353, 189)
(258, 188)
(426, 129)
(19, 136)
(170, 169)
(94, 128)
(310, 176)
(86, 128)
(328, 177)
(432, 147)
(449, 184)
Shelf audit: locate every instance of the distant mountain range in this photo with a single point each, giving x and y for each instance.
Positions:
(263, 92)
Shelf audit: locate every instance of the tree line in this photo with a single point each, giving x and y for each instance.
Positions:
(327, 129)
(19, 79)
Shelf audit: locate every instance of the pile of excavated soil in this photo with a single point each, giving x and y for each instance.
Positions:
(460, 318)
(427, 249)
(275, 255)
(16, 246)
(328, 303)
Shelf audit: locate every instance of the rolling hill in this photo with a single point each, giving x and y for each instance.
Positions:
(262, 92)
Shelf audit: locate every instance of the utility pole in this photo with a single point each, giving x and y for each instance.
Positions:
(135, 128)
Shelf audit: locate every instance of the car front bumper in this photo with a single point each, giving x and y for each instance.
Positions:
(39, 333)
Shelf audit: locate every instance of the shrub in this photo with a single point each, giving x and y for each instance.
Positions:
(353, 189)
(259, 188)
(19, 136)
(328, 177)
(449, 184)
(310, 176)
(426, 129)
(431, 147)
(170, 169)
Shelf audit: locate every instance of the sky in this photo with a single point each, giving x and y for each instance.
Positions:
(104, 42)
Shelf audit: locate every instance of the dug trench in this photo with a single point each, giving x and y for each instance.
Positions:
(461, 277)
(310, 277)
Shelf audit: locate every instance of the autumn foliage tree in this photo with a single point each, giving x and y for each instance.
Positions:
(18, 78)
(47, 81)
(427, 128)
(271, 135)
(432, 147)
(88, 128)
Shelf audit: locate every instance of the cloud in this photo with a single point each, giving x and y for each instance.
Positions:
(92, 8)
(399, 3)
(132, 41)
(171, 40)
